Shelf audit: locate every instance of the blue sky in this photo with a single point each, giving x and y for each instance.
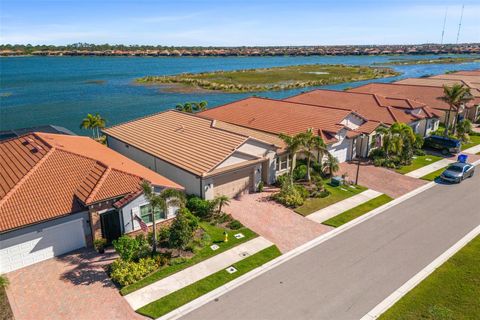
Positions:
(232, 23)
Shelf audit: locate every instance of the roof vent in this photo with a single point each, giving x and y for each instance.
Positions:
(182, 128)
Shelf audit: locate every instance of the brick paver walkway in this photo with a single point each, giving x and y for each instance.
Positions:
(276, 223)
(381, 179)
(74, 286)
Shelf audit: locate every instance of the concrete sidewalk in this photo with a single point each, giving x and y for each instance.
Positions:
(472, 150)
(429, 168)
(342, 206)
(195, 273)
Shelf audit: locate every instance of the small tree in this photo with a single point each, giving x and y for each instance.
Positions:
(332, 164)
(160, 202)
(182, 229)
(221, 201)
(456, 96)
(463, 129)
(294, 145)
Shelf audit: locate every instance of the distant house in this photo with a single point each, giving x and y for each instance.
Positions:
(58, 193)
(207, 157)
(374, 107)
(341, 129)
(12, 133)
(428, 95)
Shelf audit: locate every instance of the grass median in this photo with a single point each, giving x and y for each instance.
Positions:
(358, 211)
(418, 162)
(450, 292)
(433, 175)
(217, 237)
(336, 194)
(178, 298)
(474, 140)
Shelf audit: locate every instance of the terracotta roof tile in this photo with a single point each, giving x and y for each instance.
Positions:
(371, 106)
(424, 94)
(184, 140)
(46, 176)
(277, 116)
(442, 80)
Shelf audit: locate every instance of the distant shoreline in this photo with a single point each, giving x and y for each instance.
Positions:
(270, 51)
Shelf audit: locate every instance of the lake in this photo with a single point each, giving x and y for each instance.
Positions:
(62, 90)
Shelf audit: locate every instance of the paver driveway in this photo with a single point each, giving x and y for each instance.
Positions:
(274, 222)
(73, 286)
(381, 179)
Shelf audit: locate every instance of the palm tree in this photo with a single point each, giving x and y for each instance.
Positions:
(89, 122)
(399, 140)
(160, 202)
(321, 148)
(456, 96)
(463, 129)
(332, 164)
(186, 107)
(200, 106)
(93, 122)
(294, 145)
(221, 201)
(100, 124)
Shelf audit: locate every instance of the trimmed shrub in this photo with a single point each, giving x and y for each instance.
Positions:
(282, 179)
(128, 272)
(291, 196)
(203, 209)
(126, 247)
(300, 172)
(235, 225)
(419, 152)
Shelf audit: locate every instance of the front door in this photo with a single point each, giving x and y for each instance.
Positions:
(110, 221)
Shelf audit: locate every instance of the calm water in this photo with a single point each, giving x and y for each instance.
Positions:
(55, 90)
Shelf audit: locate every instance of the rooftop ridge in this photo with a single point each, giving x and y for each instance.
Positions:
(98, 185)
(392, 114)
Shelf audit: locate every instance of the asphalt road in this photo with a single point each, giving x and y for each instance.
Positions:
(348, 275)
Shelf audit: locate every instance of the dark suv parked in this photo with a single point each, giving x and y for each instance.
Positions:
(444, 144)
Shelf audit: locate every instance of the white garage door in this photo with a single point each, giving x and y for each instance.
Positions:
(21, 251)
(233, 184)
(340, 151)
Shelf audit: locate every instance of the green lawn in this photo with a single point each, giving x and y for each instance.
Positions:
(418, 162)
(474, 140)
(178, 298)
(433, 175)
(336, 194)
(356, 212)
(275, 78)
(450, 292)
(217, 236)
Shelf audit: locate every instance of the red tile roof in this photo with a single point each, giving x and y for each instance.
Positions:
(277, 116)
(46, 176)
(371, 106)
(431, 96)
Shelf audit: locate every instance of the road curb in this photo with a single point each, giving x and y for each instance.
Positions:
(212, 295)
(383, 306)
